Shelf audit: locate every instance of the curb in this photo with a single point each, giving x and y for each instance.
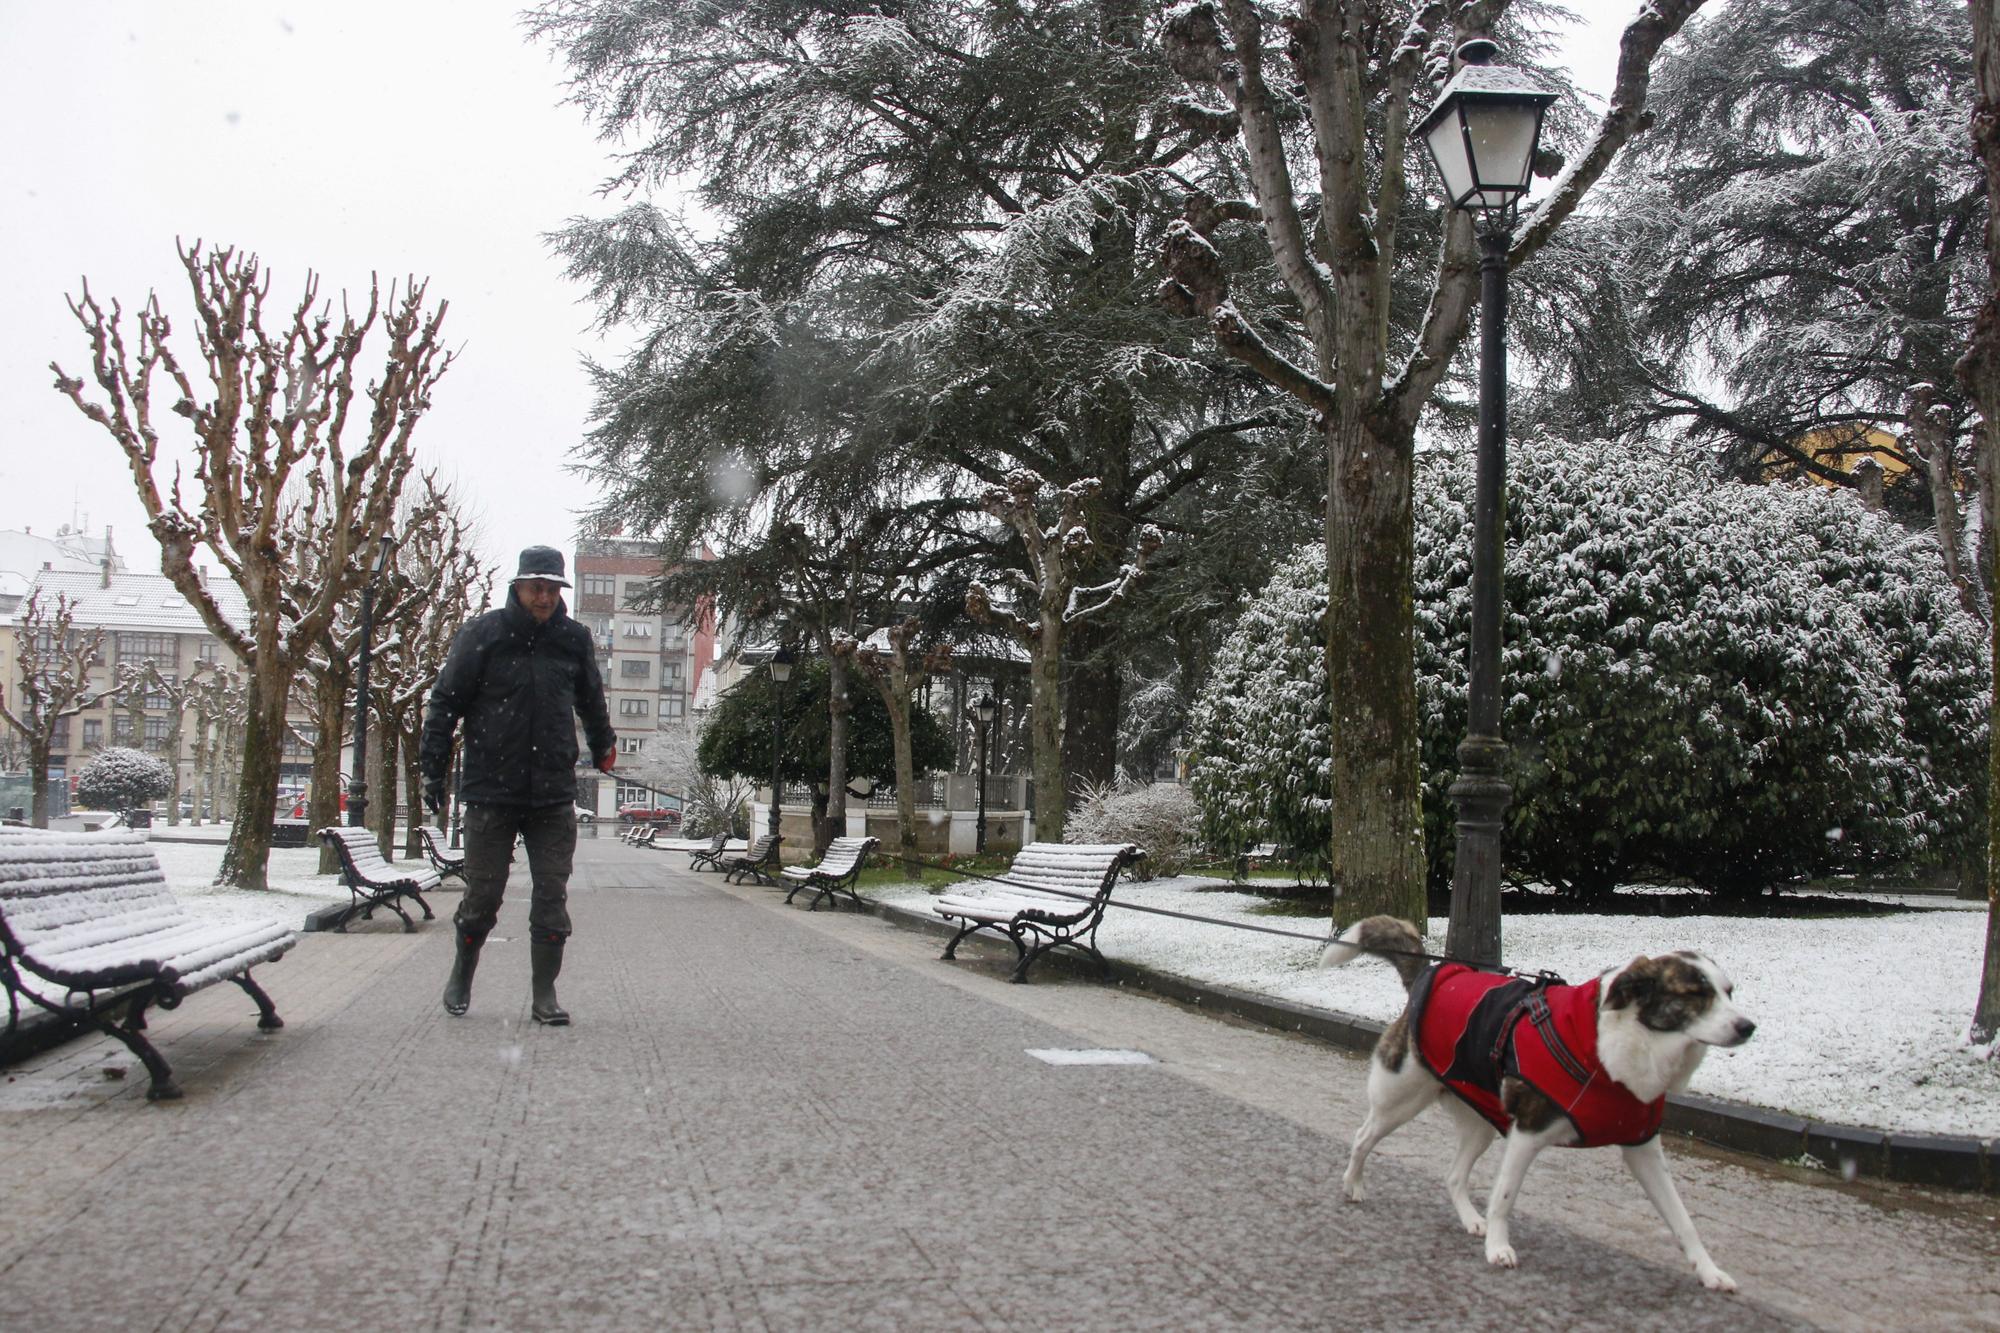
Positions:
(1944, 1161)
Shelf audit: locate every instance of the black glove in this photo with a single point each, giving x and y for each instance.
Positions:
(434, 796)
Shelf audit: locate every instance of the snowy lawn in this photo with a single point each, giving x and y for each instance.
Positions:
(297, 887)
(1862, 1020)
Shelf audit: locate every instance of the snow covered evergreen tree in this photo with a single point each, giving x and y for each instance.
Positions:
(1737, 685)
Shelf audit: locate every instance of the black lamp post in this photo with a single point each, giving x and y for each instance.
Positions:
(357, 787)
(983, 710)
(781, 671)
(1482, 136)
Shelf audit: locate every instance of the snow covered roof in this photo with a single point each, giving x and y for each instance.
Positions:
(139, 601)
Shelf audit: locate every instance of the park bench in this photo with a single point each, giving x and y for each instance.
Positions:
(646, 836)
(90, 931)
(835, 873)
(633, 832)
(437, 850)
(373, 881)
(709, 857)
(1052, 895)
(757, 862)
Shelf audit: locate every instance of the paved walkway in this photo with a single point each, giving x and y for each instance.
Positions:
(769, 1119)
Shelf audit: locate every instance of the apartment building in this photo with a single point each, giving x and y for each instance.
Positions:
(653, 663)
(145, 619)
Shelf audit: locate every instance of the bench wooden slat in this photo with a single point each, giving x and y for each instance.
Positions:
(1053, 895)
(835, 873)
(374, 881)
(89, 927)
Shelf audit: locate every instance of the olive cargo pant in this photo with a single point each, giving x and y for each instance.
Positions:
(550, 834)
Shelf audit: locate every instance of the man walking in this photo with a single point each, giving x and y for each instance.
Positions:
(517, 677)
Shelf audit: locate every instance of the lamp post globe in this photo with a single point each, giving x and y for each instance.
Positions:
(983, 709)
(1482, 137)
(781, 671)
(357, 788)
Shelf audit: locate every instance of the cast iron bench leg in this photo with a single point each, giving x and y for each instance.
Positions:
(267, 1013)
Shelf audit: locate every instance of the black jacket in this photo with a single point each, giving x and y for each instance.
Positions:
(517, 685)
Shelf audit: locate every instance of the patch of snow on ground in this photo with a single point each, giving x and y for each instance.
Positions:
(297, 888)
(1861, 1020)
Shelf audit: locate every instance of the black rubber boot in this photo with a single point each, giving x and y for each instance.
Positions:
(458, 986)
(545, 953)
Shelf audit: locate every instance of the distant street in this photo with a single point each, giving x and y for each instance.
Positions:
(770, 1119)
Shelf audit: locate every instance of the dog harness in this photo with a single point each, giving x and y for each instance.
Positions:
(1474, 1028)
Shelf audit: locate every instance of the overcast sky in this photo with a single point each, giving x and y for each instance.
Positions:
(395, 137)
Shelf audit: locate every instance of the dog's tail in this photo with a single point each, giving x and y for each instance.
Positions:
(1395, 939)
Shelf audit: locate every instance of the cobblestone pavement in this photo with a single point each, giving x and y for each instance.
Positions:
(771, 1119)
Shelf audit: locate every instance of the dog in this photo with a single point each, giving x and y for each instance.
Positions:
(1546, 1065)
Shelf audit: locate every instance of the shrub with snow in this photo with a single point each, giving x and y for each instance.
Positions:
(1736, 685)
(1161, 817)
(121, 779)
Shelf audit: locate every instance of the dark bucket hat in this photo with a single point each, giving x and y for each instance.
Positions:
(542, 562)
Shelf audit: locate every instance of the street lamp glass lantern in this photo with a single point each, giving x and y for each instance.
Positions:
(385, 549)
(984, 708)
(781, 665)
(1483, 132)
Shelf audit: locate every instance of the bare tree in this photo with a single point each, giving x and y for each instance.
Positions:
(269, 431)
(1979, 371)
(1328, 92)
(55, 659)
(214, 692)
(1053, 599)
(896, 674)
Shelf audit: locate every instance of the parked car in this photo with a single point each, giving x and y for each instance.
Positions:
(584, 816)
(649, 814)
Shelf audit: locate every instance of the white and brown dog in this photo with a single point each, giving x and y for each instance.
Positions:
(1546, 1064)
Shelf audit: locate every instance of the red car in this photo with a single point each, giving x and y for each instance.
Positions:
(649, 814)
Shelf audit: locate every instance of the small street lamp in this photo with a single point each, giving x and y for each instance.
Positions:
(357, 789)
(983, 709)
(1482, 136)
(781, 671)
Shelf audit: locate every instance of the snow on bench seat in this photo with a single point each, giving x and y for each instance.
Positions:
(373, 880)
(1054, 894)
(88, 927)
(836, 871)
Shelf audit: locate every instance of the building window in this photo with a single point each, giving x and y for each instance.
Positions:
(673, 635)
(93, 731)
(211, 650)
(134, 649)
(630, 744)
(599, 585)
(638, 629)
(121, 728)
(156, 733)
(632, 708)
(635, 668)
(673, 707)
(629, 794)
(673, 674)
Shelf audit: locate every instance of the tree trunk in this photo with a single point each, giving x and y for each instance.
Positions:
(1979, 371)
(330, 717)
(1377, 848)
(1091, 698)
(38, 773)
(896, 694)
(1045, 727)
(382, 783)
(413, 781)
(834, 824)
(175, 726)
(246, 861)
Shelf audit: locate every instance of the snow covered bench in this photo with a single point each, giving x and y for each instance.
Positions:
(757, 862)
(373, 881)
(709, 857)
(89, 931)
(1052, 895)
(835, 873)
(437, 850)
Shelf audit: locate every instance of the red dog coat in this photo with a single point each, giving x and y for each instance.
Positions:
(1473, 1028)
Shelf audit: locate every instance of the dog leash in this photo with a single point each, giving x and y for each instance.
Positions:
(1321, 940)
